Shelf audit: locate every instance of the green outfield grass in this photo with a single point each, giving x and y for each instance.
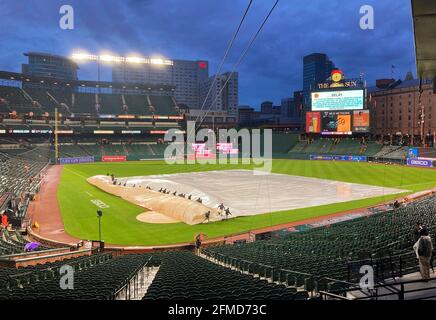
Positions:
(119, 224)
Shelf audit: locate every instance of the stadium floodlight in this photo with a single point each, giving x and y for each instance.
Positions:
(84, 56)
(135, 60)
(120, 59)
(106, 58)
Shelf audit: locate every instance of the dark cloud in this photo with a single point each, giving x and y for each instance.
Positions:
(194, 29)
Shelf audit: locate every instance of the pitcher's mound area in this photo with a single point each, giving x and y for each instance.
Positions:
(155, 217)
(248, 194)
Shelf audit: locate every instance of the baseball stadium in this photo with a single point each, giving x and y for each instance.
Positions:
(90, 183)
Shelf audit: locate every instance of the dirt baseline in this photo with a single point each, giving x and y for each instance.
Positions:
(163, 208)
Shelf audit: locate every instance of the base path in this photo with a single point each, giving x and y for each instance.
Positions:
(46, 211)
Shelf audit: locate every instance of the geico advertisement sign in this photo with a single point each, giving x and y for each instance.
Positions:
(420, 162)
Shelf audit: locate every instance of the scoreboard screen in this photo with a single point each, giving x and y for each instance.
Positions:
(338, 100)
(361, 121)
(336, 122)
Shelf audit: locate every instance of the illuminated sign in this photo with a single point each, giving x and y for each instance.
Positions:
(336, 122)
(103, 132)
(337, 75)
(2, 131)
(72, 160)
(361, 121)
(41, 131)
(131, 131)
(421, 162)
(313, 122)
(19, 131)
(338, 81)
(65, 131)
(165, 131)
(412, 153)
(338, 158)
(337, 100)
(113, 158)
(126, 116)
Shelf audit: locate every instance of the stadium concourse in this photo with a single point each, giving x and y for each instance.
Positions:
(313, 258)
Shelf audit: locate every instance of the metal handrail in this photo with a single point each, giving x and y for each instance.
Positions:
(400, 292)
(127, 281)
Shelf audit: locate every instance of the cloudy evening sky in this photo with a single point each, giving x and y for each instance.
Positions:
(201, 29)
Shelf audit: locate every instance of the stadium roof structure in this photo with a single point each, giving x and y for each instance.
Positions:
(6, 75)
(424, 22)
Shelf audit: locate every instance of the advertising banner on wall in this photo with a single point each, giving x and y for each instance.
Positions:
(113, 158)
(313, 122)
(73, 160)
(420, 162)
(412, 152)
(361, 121)
(336, 122)
(338, 158)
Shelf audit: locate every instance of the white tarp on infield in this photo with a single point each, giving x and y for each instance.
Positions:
(248, 194)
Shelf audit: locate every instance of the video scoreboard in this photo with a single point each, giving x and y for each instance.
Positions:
(338, 111)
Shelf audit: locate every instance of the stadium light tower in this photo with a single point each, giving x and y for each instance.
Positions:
(111, 59)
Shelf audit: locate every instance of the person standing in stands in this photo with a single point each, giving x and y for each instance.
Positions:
(424, 249)
(418, 226)
(197, 243)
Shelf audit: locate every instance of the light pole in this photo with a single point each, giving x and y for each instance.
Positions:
(99, 215)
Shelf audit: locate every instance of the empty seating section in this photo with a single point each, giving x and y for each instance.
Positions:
(347, 146)
(400, 153)
(163, 105)
(42, 98)
(66, 151)
(427, 153)
(328, 251)
(183, 275)
(392, 152)
(95, 150)
(96, 277)
(282, 143)
(145, 150)
(20, 169)
(138, 104)
(372, 148)
(111, 104)
(64, 100)
(113, 150)
(13, 243)
(134, 151)
(83, 103)
(14, 97)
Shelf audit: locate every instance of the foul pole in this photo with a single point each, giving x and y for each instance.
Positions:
(56, 137)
